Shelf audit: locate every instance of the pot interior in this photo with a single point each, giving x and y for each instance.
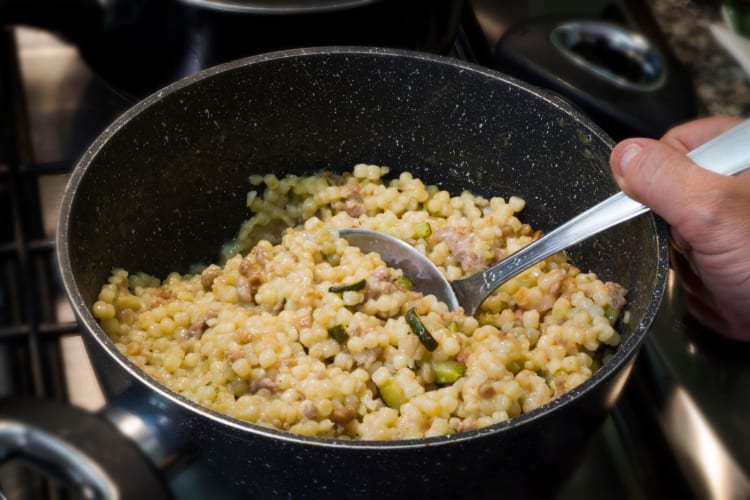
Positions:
(165, 185)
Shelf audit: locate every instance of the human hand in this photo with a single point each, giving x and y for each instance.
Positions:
(709, 215)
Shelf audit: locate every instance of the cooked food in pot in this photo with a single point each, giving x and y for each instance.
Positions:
(300, 331)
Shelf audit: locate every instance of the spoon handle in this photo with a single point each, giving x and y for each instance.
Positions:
(472, 291)
(726, 154)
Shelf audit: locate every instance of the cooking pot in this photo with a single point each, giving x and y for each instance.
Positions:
(140, 45)
(165, 185)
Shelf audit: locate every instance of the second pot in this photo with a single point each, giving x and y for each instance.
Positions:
(140, 46)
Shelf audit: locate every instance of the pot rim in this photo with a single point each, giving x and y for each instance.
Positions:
(627, 349)
(278, 6)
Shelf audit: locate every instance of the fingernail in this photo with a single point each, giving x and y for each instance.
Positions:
(627, 156)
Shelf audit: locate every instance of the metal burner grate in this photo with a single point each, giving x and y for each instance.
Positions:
(30, 331)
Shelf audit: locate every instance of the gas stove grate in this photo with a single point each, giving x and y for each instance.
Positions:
(30, 288)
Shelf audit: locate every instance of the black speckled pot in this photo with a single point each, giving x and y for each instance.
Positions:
(165, 185)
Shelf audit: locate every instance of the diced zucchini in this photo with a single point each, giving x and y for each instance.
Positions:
(405, 283)
(612, 314)
(416, 325)
(351, 287)
(447, 372)
(338, 333)
(422, 230)
(392, 394)
(513, 366)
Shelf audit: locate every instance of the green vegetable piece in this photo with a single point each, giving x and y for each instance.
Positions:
(405, 283)
(513, 366)
(338, 333)
(422, 230)
(447, 372)
(392, 394)
(416, 325)
(351, 287)
(454, 326)
(612, 314)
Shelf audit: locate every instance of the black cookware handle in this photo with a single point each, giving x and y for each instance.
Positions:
(53, 455)
(79, 449)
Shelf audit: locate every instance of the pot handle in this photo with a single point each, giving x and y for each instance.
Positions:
(148, 422)
(56, 457)
(79, 449)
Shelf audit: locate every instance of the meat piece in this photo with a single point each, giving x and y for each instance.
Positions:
(263, 383)
(253, 267)
(463, 355)
(353, 202)
(380, 283)
(278, 307)
(209, 275)
(251, 275)
(244, 290)
(460, 243)
(486, 389)
(200, 325)
(309, 410)
(499, 249)
(260, 252)
(467, 424)
(617, 293)
(343, 414)
(366, 358)
(232, 356)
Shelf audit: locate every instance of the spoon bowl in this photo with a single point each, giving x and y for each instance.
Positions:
(426, 276)
(726, 154)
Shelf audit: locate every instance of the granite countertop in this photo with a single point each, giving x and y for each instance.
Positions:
(722, 86)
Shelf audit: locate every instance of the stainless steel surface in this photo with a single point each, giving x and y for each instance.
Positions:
(693, 383)
(712, 470)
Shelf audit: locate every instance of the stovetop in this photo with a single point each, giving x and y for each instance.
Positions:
(679, 429)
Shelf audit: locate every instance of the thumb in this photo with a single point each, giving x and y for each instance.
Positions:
(659, 176)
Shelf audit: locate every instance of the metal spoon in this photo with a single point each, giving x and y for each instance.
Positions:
(726, 154)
